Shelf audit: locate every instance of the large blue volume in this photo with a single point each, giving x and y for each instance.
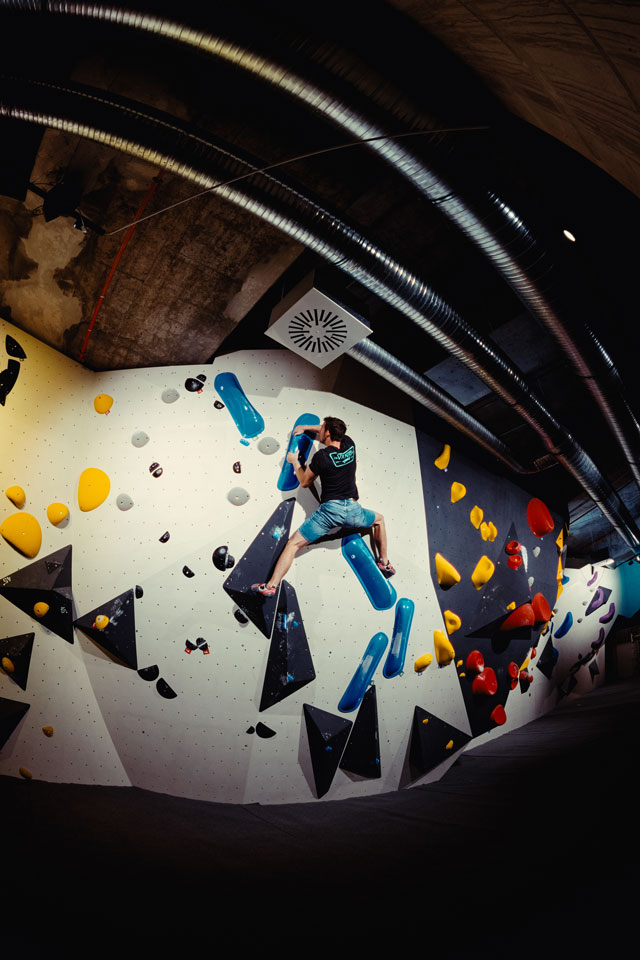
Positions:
(401, 629)
(245, 416)
(357, 554)
(352, 697)
(300, 446)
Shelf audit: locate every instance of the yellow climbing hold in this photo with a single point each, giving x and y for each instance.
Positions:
(463, 674)
(25, 773)
(443, 647)
(512, 605)
(493, 531)
(422, 663)
(41, 608)
(56, 513)
(449, 746)
(7, 665)
(446, 572)
(48, 731)
(559, 539)
(459, 664)
(458, 491)
(17, 496)
(525, 663)
(484, 530)
(23, 532)
(484, 570)
(103, 403)
(93, 488)
(452, 621)
(101, 621)
(476, 516)
(442, 462)
(426, 720)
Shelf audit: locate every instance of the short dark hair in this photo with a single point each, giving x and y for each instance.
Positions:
(336, 427)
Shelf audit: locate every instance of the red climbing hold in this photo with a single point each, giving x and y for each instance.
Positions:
(515, 561)
(539, 519)
(486, 682)
(498, 715)
(513, 671)
(522, 616)
(475, 661)
(512, 547)
(541, 609)
(533, 653)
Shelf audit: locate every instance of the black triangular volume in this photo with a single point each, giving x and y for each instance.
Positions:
(119, 636)
(598, 599)
(594, 669)
(18, 651)
(8, 378)
(432, 741)
(327, 735)
(14, 349)
(289, 665)
(547, 659)
(48, 581)
(256, 566)
(362, 753)
(11, 713)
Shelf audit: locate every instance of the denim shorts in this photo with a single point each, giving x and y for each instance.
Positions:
(335, 513)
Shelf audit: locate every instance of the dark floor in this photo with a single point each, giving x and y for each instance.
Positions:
(527, 847)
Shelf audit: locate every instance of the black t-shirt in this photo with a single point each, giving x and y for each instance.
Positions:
(337, 471)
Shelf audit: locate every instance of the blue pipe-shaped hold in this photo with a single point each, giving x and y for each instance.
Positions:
(244, 415)
(394, 664)
(352, 697)
(299, 445)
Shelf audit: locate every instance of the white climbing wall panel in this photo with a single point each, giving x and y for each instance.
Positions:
(113, 727)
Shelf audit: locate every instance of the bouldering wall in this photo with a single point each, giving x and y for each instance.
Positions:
(141, 505)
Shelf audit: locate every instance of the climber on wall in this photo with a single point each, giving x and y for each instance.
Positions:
(335, 465)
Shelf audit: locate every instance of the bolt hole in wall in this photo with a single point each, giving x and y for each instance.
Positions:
(175, 678)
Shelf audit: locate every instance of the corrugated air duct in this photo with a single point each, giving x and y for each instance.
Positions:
(167, 143)
(496, 229)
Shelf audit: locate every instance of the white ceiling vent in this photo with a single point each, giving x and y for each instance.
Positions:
(314, 326)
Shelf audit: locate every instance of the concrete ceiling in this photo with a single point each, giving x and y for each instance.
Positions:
(504, 74)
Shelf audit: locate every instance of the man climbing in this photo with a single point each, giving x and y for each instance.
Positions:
(335, 465)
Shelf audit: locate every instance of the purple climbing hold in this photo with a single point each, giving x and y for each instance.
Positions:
(593, 578)
(609, 615)
(598, 643)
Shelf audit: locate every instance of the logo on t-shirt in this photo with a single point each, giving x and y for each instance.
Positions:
(342, 458)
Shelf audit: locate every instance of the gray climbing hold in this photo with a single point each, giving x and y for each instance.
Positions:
(238, 496)
(268, 445)
(530, 581)
(139, 438)
(170, 395)
(124, 501)
(536, 551)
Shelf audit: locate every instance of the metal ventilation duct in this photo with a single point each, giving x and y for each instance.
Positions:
(496, 229)
(142, 133)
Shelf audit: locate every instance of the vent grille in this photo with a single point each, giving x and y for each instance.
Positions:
(315, 327)
(318, 330)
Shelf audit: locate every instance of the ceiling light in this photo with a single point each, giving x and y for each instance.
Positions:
(569, 235)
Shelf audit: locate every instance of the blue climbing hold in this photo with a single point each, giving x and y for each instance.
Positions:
(565, 626)
(299, 445)
(401, 629)
(352, 697)
(245, 416)
(565, 580)
(359, 557)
